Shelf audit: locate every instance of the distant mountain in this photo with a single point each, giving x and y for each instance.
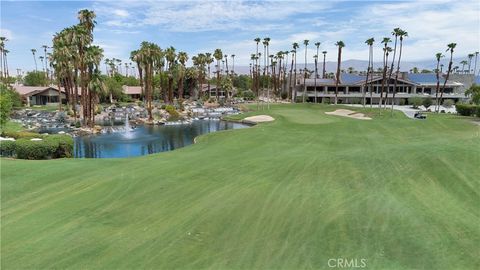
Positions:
(361, 65)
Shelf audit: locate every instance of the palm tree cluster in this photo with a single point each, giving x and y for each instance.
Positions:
(468, 63)
(3, 58)
(399, 35)
(165, 72)
(76, 64)
(273, 75)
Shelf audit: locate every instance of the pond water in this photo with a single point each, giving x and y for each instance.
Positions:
(145, 140)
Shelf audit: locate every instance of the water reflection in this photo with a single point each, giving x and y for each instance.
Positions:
(146, 139)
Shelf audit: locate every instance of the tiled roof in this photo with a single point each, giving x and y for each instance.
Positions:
(32, 90)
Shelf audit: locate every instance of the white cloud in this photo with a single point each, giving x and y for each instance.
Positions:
(6, 33)
(121, 13)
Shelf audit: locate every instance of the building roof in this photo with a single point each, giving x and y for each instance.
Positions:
(348, 78)
(428, 79)
(33, 90)
(132, 90)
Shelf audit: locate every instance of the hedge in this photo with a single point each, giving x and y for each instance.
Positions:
(467, 109)
(52, 146)
(7, 148)
(21, 134)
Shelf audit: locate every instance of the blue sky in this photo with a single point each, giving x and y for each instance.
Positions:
(201, 26)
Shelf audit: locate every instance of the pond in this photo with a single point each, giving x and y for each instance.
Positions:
(145, 140)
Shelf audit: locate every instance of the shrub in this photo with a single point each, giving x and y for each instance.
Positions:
(427, 102)
(415, 101)
(248, 95)
(64, 145)
(355, 100)
(466, 109)
(478, 111)
(7, 148)
(447, 103)
(21, 134)
(401, 102)
(174, 116)
(27, 149)
(326, 100)
(53, 146)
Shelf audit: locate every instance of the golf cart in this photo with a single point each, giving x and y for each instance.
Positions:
(419, 115)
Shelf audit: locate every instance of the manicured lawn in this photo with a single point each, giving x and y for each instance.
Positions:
(401, 193)
(11, 127)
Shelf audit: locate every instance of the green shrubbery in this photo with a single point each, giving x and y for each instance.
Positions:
(51, 146)
(20, 134)
(7, 148)
(467, 109)
(174, 116)
(427, 102)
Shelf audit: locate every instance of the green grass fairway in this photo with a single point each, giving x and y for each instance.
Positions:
(291, 194)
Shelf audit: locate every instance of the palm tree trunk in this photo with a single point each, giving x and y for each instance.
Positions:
(448, 75)
(371, 78)
(337, 79)
(390, 72)
(396, 73)
(294, 92)
(324, 69)
(384, 75)
(366, 81)
(438, 85)
(316, 74)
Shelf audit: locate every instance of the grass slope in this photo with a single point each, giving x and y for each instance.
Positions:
(290, 194)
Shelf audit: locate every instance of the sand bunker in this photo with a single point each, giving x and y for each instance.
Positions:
(259, 118)
(348, 113)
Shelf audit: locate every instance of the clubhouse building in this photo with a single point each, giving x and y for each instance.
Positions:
(351, 86)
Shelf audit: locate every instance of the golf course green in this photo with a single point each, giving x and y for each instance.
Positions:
(289, 194)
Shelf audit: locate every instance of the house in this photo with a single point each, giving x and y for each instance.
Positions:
(40, 95)
(134, 92)
(351, 88)
(213, 91)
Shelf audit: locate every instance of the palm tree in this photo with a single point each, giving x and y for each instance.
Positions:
(43, 66)
(255, 69)
(386, 51)
(45, 47)
(218, 55)
(317, 44)
(294, 92)
(369, 42)
(401, 34)
(340, 45)
(34, 58)
(226, 64)
(233, 64)
(438, 56)
(475, 67)
(170, 56)
(395, 34)
(463, 63)
(208, 60)
(305, 42)
(324, 69)
(470, 57)
(182, 58)
(266, 43)
(2, 59)
(450, 47)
